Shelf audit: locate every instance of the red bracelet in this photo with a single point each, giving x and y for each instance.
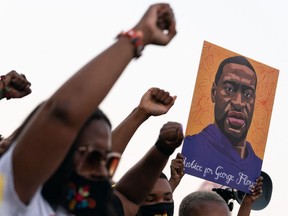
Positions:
(136, 38)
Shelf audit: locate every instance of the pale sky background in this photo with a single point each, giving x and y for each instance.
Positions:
(50, 40)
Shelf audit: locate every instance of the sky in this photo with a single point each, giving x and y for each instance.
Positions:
(50, 40)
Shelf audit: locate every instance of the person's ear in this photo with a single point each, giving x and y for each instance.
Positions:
(213, 92)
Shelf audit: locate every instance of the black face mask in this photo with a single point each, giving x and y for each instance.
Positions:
(159, 209)
(86, 197)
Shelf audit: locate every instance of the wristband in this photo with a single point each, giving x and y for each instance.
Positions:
(164, 150)
(136, 38)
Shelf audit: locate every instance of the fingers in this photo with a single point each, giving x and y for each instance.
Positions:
(166, 20)
(20, 82)
(167, 24)
(172, 134)
(177, 165)
(156, 102)
(158, 25)
(260, 179)
(180, 156)
(164, 17)
(162, 96)
(16, 85)
(257, 188)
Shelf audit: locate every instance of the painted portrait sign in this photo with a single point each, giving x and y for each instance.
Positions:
(229, 118)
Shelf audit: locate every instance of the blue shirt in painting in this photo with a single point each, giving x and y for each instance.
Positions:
(211, 156)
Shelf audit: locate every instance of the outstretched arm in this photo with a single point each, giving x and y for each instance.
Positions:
(135, 185)
(249, 199)
(53, 128)
(177, 171)
(154, 102)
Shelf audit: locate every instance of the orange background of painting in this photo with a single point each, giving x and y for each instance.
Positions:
(202, 109)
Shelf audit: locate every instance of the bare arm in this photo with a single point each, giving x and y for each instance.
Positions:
(135, 185)
(249, 199)
(45, 141)
(154, 102)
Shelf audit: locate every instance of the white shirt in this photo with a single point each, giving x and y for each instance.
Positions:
(10, 204)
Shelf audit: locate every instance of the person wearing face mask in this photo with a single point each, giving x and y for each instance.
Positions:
(75, 196)
(85, 188)
(47, 140)
(80, 185)
(160, 199)
(154, 102)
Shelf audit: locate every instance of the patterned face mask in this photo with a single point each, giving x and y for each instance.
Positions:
(86, 197)
(159, 209)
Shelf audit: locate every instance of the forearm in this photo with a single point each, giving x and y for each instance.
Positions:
(173, 183)
(95, 79)
(64, 114)
(122, 134)
(245, 208)
(140, 179)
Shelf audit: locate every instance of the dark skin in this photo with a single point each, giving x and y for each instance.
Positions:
(234, 97)
(54, 127)
(170, 137)
(5, 143)
(160, 193)
(154, 102)
(16, 85)
(92, 151)
(249, 199)
(177, 171)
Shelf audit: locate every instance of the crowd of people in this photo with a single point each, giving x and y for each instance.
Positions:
(79, 151)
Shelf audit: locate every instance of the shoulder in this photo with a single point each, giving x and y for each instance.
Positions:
(123, 206)
(117, 205)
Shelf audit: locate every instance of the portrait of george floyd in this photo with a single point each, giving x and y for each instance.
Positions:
(229, 118)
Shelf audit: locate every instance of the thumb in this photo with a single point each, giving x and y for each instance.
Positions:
(173, 101)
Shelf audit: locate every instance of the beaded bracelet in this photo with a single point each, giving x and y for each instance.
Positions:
(163, 150)
(136, 38)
